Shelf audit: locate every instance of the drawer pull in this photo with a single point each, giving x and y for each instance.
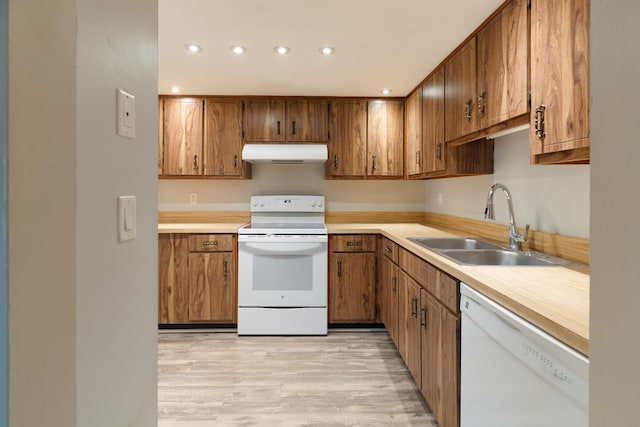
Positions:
(388, 249)
(210, 243)
(354, 244)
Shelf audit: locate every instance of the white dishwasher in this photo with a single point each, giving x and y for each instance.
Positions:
(514, 374)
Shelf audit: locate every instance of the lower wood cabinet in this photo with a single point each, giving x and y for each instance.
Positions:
(389, 286)
(197, 278)
(352, 278)
(428, 329)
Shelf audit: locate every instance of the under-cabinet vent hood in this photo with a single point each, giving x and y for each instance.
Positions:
(285, 153)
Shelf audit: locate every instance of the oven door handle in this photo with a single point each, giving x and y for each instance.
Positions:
(282, 248)
(279, 239)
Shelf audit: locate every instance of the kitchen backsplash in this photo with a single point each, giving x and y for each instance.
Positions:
(549, 198)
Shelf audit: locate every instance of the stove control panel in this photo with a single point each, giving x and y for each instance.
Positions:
(287, 204)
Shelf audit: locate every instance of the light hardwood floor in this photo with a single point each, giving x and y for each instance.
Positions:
(345, 378)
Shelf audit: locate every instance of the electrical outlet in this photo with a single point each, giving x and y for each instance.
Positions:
(440, 197)
(193, 198)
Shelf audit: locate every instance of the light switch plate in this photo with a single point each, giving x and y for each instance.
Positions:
(126, 218)
(126, 114)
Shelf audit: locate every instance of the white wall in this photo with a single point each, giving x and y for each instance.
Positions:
(42, 212)
(615, 209)
(343, 195)
(83, 307)
(551, 198)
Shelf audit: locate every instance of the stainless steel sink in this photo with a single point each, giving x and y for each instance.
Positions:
(451, 243)
(494, 257)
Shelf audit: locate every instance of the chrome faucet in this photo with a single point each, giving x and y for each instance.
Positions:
(515, 238)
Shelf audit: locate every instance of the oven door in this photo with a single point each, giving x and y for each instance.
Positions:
(282, 271)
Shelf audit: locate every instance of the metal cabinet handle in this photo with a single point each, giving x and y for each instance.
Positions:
(394, 283)
(423, 316)
(293, 127)
(225, 269)
(388, 249)
(210, 243)
(539, 122)
(467, 110)
(358, 244)
(335, 162)
(373, 163)
(195, 162)
(339, 268)
(482, 103)
(414, 307)
(439, 150)
(235, 161)
(278, 126)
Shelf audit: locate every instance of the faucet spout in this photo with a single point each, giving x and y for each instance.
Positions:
(515, 238)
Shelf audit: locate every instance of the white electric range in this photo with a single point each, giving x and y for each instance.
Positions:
(282, 267)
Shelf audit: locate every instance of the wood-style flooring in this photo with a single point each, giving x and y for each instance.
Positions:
(345, 378)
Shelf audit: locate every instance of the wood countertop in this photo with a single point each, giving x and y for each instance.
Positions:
(556, 299)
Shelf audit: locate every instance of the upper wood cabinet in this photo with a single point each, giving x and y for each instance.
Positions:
(201, 137)
(223, 139)
(433, 143)
(414, 152)
(183, 122)
(503, 66)
(460, 92)
(307, 120)
(560, 127)
(286, 120)
(264, 120)
(348, 142)
(385, 133)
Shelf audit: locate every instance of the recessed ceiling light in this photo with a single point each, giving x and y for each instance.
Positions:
(175, 89)
(282, 50)
(327, 50)
(193, 48)
(238, 50)
(385, 91)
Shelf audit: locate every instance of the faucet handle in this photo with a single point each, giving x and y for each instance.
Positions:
(523, 237)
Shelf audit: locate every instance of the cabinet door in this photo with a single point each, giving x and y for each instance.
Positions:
(503, 66)
(160, 135)
(348, 139)
(433, 123)
(182, 136)
(385, 124)
(223, 138)
(440, 360)
(307, 120)
(460, 92)
(264, 120)
(413, 124)
(559, 81)
(351, 287)
(212, 287)
(173, 278)
(409, 324)
(390, 275)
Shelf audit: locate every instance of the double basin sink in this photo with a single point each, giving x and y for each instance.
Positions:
(475, 252)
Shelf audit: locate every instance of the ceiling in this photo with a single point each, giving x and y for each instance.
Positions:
(378, 44)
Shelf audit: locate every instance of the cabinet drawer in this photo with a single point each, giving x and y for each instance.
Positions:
(212, 242)
(353, 243)
(390, 249)
(433, 280)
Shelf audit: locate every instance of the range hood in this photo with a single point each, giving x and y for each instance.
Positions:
(285, 153)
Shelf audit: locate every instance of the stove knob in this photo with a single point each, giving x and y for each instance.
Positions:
(319, 204)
